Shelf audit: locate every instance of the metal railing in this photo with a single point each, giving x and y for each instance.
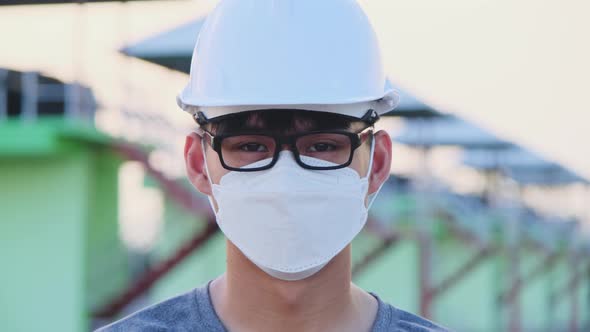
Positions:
(32, 92)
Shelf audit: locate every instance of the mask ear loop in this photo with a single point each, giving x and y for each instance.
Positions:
(371, 197)
(203, 148)
(371, 158)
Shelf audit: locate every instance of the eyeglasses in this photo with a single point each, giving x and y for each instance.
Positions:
(249, 152)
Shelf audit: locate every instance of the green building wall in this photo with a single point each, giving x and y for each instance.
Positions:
(58, 225)
(203, 265)
(534, 301)
(470, 304)
(394, 276)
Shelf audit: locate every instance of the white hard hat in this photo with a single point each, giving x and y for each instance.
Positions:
(296, 54)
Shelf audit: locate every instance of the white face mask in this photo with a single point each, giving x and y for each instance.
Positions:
(292, 221)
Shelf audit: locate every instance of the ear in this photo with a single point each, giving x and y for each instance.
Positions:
(381, 161)
(195, 163)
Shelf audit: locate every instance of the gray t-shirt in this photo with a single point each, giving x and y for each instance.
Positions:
(193, 311)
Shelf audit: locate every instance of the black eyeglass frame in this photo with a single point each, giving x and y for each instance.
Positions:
(290, 140)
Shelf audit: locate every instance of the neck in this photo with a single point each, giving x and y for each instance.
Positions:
(248, 299)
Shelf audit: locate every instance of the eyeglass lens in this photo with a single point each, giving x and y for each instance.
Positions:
(241, 151)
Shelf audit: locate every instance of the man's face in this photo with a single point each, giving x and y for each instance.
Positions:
(286, 122)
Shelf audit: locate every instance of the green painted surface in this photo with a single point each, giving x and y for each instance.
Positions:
(46, 137)
(58, 225)
(200, 267)
(394, 276)
(106, 263)
(43, 203)
(468, 305)
(534, 294)
(362, 245)
(560, 312)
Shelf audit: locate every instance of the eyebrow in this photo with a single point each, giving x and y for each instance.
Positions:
(280, 124)
(254, 121)
(258, 122)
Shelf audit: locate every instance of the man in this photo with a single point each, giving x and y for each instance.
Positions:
(286, 93)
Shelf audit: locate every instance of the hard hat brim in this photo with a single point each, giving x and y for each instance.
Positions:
(355, 107)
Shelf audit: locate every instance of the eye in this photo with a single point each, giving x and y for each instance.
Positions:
(322, 147)
(253, 147)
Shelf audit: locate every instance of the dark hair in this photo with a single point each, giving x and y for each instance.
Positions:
(281, 121)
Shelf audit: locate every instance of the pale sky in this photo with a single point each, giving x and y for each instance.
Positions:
(520, 69)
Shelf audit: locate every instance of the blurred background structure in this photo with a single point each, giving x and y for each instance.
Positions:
(473, 230)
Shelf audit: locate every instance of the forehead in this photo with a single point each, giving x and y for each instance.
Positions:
(282, 121)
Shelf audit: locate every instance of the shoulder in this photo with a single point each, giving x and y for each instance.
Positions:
(392, 319)
(412, 323)
(177, 314)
